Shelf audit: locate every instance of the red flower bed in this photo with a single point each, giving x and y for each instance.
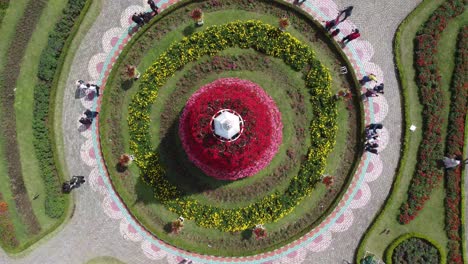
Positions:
(428, 175)
(255, 147)
(455, 144)
(7, 229)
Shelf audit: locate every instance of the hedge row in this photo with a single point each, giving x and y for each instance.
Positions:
(400, 241)
(3, 7)
(428, 174)
(454, 147)
(48, 64)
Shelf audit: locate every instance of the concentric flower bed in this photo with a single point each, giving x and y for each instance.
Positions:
(271, 41)
(258, 142)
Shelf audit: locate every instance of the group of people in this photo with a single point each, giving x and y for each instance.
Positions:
(88, 117)
(372, 138)
(144, 17)
(342, 16)
(372, 92)
(88, 87)
(75, 182)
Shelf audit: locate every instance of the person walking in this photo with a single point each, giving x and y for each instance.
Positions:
(153, 6)
(347, 12)
(354, 35)
(330, 24)
(335, 33)
(368, 78)
(138, 20)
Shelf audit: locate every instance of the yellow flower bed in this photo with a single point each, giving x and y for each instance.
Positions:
(263, 38)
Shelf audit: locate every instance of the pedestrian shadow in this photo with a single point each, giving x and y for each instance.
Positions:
(133, 30)
(79, 93)
(189, 30)
(127, 84)
(83, 128)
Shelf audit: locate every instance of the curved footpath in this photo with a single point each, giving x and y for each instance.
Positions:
(92, 233)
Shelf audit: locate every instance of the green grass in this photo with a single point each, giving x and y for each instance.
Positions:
(24, 115)
(24, 99)
(7, 30)
(148, 213)
(431, 220)
(104, 260)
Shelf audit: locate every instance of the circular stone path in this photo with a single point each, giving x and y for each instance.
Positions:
(101, 226)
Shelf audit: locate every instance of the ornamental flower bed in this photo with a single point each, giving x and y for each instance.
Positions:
(455, 144)
(257, 144)
(428, 175)
(271, 41)
(7, 229)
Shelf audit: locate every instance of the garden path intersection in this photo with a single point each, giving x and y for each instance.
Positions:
(101, 226)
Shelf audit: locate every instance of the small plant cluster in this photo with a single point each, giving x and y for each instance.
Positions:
(271, 41)
(454, 147)
(3, 7)
(7, 229)
(177, 225)
(415, 250)
(428, 174)
(260, 232)
(51, 60)
(258, 142)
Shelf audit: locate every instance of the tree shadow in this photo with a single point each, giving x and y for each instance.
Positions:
(180, 171)
(246, 234)
(189, 30)
(120, 168)
(83, 128)
(79, 93)
(144, 192)
(127, 84)
(167, 228)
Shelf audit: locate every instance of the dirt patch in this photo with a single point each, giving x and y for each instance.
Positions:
(10, 74)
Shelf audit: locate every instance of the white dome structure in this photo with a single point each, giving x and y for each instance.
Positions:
(227, 125)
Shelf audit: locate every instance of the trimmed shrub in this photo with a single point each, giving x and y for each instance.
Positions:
(415, 250)
(48, 63)
(428, 175)
(454, 147)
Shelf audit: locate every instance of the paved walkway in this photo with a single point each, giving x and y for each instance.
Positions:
(91, 232)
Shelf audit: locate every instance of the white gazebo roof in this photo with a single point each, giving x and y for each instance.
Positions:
(227, 125)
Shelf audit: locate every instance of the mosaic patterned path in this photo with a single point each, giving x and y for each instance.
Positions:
(101, 225)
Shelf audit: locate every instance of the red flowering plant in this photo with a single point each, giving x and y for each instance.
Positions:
(328, 181)
(259, 232)
(254, 148)
(284, 23)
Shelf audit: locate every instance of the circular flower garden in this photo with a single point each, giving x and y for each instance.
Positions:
(255, 145)
(232, 127)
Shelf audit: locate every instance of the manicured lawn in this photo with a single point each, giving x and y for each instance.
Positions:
(23, 102)
(139, 196)
(430, 221)
(24, 114)
(7, 31)
(104, 260)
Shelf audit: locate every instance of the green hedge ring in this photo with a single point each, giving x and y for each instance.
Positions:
(390, 249)
(262, 38)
